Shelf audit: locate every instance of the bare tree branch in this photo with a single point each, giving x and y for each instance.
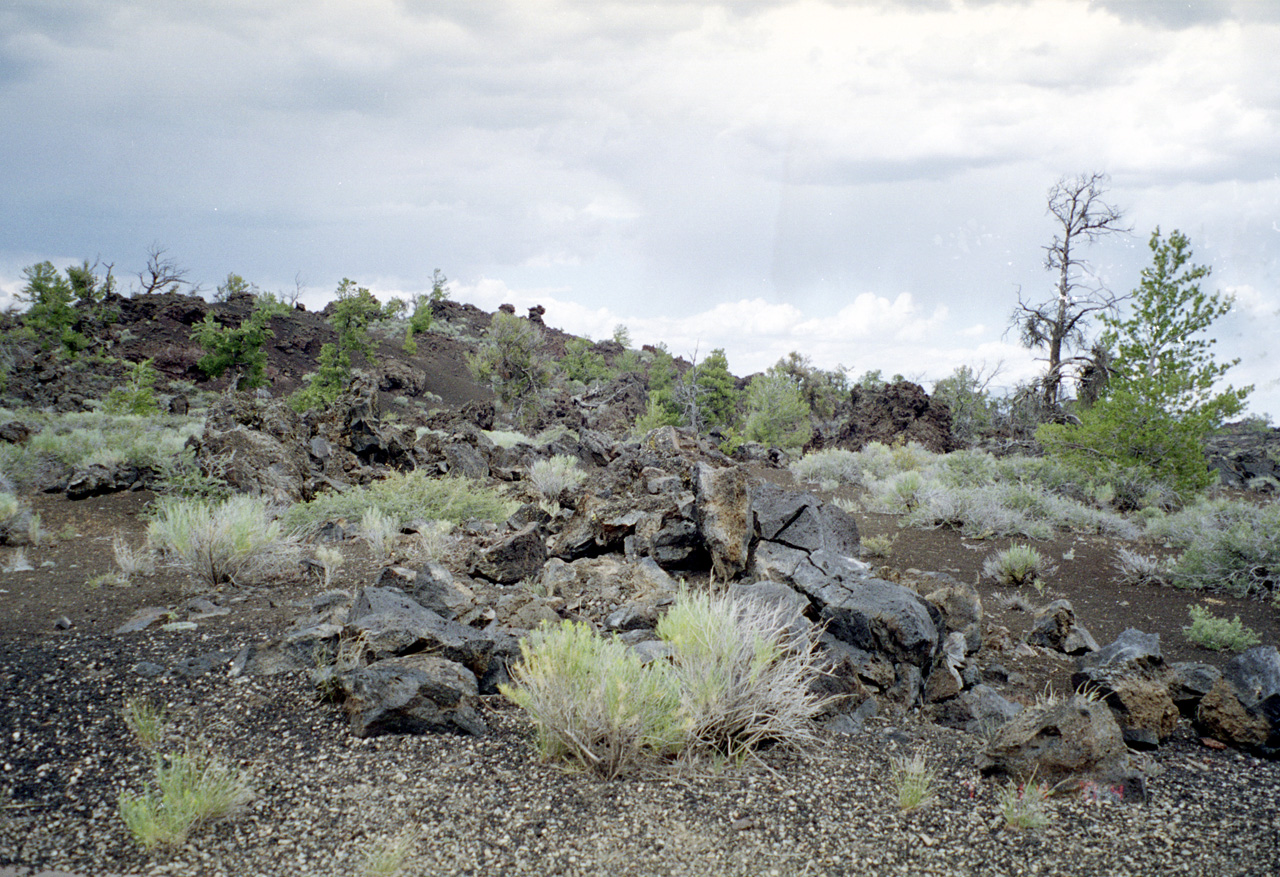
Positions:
(162, 274)
(1058, 324)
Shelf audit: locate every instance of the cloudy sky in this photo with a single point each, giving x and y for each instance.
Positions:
(860, 181)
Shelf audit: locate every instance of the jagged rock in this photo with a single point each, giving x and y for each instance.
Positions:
(1243, 707)
(1067, 741)
(639, 580)
(801, 520)
(414, 694)
(868, 613)
(1132, 647)
(435, 588)
(1054, 627)
(900, 411)
(402, 377)
(523, 610)
(1189, 683)
(464, 459)
(944, 680)
(92, 480)
(513, 558)
(724, 517)
(256, 463)
(979, 710)
(875, 670)
(1131, 676)
(15, 432)
(961, 607)
(392, 624)
(633, 616)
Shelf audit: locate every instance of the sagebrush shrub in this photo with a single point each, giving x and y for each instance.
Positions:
(593, 702)
(551, 478)
(739, 677)
(409, 496)
(235, 541)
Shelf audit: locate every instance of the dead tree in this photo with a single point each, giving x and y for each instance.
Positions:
(1057, 325)
(162, 274)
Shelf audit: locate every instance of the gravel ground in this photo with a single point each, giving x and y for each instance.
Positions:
(324, 800)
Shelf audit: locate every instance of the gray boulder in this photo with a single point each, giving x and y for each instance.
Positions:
(1130, 675)
(513, 558)
(801, 520)
(435, 588)
(393, 624)
(960, 605)
(1066, 741)
(868, 613)
(1243, 707)
(1054, 627)
(414, 694)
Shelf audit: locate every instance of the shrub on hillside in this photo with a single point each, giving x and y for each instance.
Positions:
(409, 497)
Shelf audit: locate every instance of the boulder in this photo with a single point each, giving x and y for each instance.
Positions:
(1064, 741)
(801, 520)
(1054, 627)
(868, 613)
(1130, 675)
(393, 624)
(1190, 682)
(960, 605)
(514, 558)
(723, 515)
(1243, 707)
(414, 694)
(435, 588)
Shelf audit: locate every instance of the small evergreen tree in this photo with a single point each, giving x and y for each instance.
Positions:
(777, 414)
(138, 395)
(717, 394)
(51, 315)
(1162, 398)
(238, 350)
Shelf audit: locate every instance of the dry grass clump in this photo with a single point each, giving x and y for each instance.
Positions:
(1018, 565)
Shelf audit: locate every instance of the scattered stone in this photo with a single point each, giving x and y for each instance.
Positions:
(513, 558)
(143, 618)
(1243, 707)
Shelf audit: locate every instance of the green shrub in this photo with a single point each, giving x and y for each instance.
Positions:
(1023, 805)
(234, 541)
(137, 396)
(1231, 547)
(593, 701)
(410, 496)
(964, 392)
(511, 361)
(190, 790)
(237, 350)
(147, 721)
(739, 677)
(1218, 634)
(51, 313)
(1018, 565)
(777, 414)
(581, 362)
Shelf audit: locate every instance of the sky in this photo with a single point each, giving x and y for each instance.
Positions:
(863, 182)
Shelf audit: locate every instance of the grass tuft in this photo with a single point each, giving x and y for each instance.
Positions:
(1018, 565)
(190, 790)
(914, 782)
